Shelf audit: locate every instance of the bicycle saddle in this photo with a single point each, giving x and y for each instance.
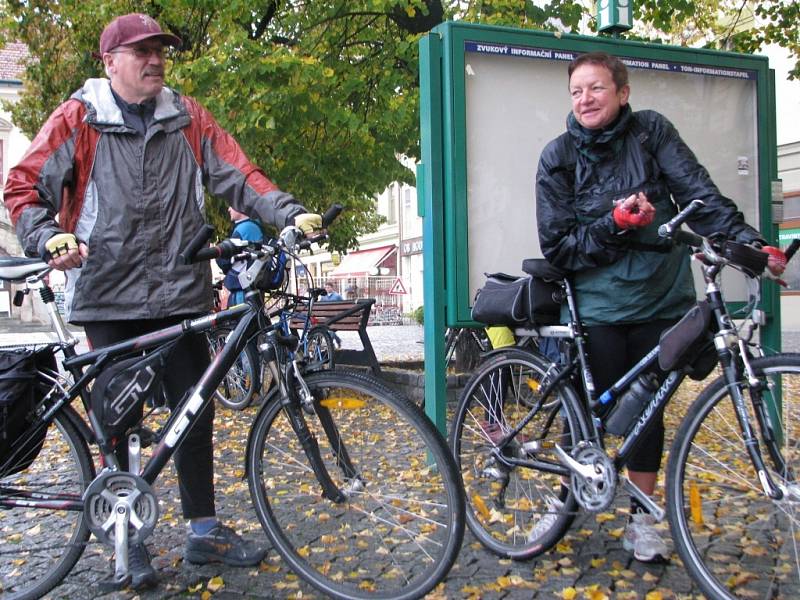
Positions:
(540, 267)
(18, 269)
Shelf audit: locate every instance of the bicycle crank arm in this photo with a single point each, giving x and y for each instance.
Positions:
(121, 519)
(586, 472)
(654, 509)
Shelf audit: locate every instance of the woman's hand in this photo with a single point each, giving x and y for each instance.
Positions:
(633, 212)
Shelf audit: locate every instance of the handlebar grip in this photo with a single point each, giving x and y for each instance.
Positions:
(671, 226)
(331, 214)
(197, 242)
(224, 249)
(791, 249)
(687, 238)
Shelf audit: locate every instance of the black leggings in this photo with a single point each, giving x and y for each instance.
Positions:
(613, 351)
(194, 459)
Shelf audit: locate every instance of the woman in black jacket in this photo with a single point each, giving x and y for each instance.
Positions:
(602, 190)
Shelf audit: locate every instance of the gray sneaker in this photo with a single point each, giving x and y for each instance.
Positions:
(222, 544)
(643, 539)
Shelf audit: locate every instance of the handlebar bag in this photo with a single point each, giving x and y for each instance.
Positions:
(120, 390)
(20, 392)
(689, 344)
(272, 276)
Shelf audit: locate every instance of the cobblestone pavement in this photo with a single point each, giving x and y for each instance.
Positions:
(589, 559)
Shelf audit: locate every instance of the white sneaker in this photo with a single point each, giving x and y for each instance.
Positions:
(546, 520)
(643, 539)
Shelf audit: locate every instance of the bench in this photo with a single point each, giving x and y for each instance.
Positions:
(345, 316)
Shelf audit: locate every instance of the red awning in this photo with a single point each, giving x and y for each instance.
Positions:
(362, 262)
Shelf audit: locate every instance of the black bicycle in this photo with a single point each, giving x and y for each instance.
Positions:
(529, 436)
(353, 485)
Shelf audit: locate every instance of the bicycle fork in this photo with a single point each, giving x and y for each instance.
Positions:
(295, 398)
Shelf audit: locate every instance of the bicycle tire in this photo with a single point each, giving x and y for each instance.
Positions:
(540, 509)
(243, 380)
(320, 349)
(39, 546)
(398, 536)
(733, 539)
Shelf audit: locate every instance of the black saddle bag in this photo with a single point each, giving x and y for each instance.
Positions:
(516, 301)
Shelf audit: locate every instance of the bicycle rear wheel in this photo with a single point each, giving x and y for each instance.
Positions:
(319, 349)
(243, 380)
(39, 546)
(515, 511)
(735, 541)
(400, 529)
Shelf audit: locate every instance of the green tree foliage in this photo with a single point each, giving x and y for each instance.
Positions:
(322, 94)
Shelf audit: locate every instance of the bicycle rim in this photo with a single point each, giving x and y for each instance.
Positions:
(516, 512)
(39, 546)
(236, 390)
(399, 531)
(735, 541)
(319, 348)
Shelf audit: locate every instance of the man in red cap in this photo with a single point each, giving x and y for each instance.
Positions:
(111, 191)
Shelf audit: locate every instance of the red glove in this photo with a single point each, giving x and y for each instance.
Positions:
(631, 215)
(777, 260)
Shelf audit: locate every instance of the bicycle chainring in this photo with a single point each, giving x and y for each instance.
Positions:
(598, 493)
(114, 489)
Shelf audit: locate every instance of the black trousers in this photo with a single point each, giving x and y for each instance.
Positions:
(194, 459)
(613, 351)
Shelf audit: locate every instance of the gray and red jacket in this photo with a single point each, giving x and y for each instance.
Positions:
(135, 200)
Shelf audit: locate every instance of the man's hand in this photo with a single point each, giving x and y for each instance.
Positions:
(633, 212)
(308, 222)
(65, 251)
(777, 260)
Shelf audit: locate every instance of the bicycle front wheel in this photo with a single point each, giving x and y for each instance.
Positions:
(40, 542)
(515, 511)
(400, 528)
(243, 379)
(735, 541)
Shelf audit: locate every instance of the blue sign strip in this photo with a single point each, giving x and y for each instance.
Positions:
(634, 63)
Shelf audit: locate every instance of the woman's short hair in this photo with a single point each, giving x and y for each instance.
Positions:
(619, 72)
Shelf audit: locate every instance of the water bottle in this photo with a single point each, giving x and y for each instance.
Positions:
(630, 404)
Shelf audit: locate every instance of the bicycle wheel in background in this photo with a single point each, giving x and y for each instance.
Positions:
(39, 546)
(319, 349)
(243, 379)
(400, 529)
(516, 512)
(734, 540)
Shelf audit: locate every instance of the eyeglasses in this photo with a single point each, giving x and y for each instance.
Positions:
(141, 52)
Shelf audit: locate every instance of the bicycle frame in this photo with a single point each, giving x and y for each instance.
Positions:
(732, 353)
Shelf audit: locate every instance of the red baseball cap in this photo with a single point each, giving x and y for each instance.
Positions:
(132, 28)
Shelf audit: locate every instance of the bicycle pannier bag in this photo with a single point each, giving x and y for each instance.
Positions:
(19, 394)
(689, 344)
(119, 392)
(503, 300)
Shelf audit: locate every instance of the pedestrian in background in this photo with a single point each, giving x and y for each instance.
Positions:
(244, 228)
(332, 296)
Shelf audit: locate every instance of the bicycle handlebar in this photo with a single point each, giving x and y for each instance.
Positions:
(671, 226)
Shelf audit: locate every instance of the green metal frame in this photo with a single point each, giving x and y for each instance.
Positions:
(443, 201)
